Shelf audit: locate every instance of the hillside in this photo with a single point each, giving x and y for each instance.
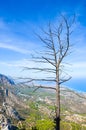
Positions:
(4, 80)
(10, 103)
(73, 104)
(19, 102)
(73, 100)
(70, 100)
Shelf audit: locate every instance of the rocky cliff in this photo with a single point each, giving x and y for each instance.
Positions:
(8, 102)
(4, 80)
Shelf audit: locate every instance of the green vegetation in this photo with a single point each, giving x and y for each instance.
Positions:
(36, 120)
(32, 124)
(48, 124)
(45, 124)
(71, 126)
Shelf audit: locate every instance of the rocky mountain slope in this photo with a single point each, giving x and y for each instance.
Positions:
(73, 103)
(70, 100)
(4, 80)
(9, 102)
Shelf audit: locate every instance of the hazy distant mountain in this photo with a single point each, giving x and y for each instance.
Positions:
(70, 100)
(4, 80)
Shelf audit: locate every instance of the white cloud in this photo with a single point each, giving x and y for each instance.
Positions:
(13, 48)
(16, 68)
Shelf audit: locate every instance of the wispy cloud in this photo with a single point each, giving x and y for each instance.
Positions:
(77, 70)
(19, 67)
(16, 37)
(13, 48)
(77, 59)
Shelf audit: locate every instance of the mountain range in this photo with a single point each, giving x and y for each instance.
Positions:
(70, 100)
(15, 102)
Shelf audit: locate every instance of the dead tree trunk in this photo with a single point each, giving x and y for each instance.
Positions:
(57, 43)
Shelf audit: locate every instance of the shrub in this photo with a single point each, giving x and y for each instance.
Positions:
(45, 124)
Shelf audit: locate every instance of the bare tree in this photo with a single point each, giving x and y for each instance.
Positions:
(57, 43)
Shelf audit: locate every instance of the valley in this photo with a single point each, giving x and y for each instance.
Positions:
(21, 105)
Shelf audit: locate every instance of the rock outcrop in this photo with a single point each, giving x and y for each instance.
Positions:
(4, 80)
(8, 101)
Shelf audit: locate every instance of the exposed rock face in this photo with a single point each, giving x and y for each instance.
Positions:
(8, 104)
(1, 96)
(73, 101)
(4, 80)
(9, 111)
(8, 100)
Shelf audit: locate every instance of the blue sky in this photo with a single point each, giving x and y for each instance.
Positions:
(18, 21)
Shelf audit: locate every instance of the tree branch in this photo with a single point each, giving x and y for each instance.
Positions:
(64, 80)
(49, 61)
(40, 86)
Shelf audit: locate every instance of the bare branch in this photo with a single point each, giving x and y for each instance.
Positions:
(40, 86)
(49, 61)
(40, 69)
(64, 80)
(45, 80)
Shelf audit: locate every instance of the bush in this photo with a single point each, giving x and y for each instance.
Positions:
(45, 124)
(32, 124)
